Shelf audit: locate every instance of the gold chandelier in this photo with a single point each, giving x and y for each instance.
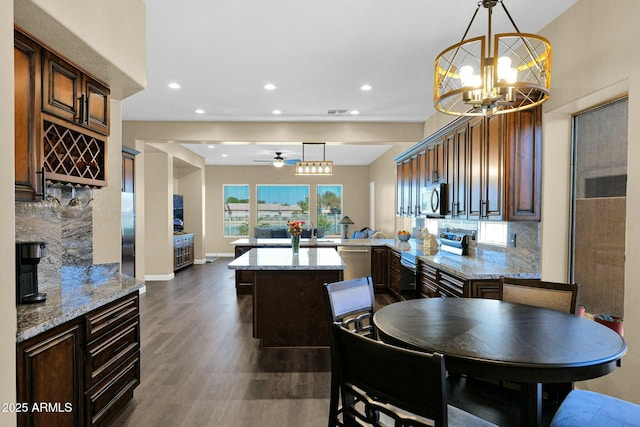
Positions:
(482, 76)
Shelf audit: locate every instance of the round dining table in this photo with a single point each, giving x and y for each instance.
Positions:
(500, 340)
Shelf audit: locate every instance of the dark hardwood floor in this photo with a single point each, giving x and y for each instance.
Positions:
(201, 366)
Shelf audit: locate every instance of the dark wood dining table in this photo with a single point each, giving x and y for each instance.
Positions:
(504, 341)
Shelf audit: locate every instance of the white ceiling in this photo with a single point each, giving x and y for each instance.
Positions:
(318, 54)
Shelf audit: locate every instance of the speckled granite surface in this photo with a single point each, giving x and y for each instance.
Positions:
(480, 264)
(283, 259)
(81, 290)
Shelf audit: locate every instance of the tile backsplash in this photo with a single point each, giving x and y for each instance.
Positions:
(65, 222)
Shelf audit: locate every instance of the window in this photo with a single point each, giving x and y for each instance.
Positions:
(329, 208)
(278, 204)
(236, 210)
(493, 233)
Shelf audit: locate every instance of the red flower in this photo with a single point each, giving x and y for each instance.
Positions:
(295, 227)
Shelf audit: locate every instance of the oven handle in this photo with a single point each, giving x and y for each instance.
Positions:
(408, 265)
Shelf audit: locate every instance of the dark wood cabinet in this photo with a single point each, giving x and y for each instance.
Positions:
(456, 172)
(491, 165)
(112, 360)
(86, 368)
(524, 165)
(436, 283)
(49, 371)
(61, 122)
(395, 274)
(486, 168)
(244, 278)
(70, 94)
(380, 268)
(28, 182)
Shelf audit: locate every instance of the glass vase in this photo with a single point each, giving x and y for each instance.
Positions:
(295, 243)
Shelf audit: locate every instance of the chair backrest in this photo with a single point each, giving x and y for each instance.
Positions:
(351, 302)
(557, 296)
(377, 375)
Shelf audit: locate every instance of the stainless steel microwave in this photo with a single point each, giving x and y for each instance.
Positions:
(433, 200)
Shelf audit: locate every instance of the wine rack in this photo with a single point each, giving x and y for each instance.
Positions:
(72, 156)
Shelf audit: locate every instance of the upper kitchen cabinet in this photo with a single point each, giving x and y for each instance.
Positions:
(486, 168)
(524, 165)
(61, 122)
(70, 94)
(27, 88)
(491, 165)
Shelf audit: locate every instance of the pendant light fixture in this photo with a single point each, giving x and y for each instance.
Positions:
(493, 75)
(314, 167)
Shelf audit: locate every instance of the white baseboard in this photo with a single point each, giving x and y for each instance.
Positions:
(158, 277)
(200, 261)
(142, 290)
(221, 254)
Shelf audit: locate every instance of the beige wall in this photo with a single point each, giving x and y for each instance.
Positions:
(107, 241)
(355, 195)
(594, 61)
(7, 219)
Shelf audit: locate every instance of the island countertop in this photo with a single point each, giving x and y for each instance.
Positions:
(283, 259)
(82, 289)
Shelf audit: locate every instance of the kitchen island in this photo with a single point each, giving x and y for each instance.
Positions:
(289, 309)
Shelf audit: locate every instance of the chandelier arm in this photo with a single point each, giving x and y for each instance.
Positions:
(525, 42)
(464, 36)
(509, 16)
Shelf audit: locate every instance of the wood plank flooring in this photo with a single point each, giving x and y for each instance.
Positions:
(201, 366)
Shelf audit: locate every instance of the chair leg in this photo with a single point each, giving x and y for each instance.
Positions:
(334, 403)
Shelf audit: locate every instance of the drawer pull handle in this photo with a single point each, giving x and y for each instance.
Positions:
(119, 349)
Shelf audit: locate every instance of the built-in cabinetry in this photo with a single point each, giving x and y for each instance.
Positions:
(27, 88)
(380, 268)
(434, 283)
(88, 366)
(491, 165)
(395, 273)
(182, 250)
(61, 121)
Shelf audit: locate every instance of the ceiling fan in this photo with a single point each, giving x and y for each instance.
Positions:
(279, 161)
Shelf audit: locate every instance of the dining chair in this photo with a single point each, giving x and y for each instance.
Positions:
(587, 408)
(557, 296)
(351, 303)
(383, 385)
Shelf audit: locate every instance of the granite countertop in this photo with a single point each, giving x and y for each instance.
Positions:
(283, 259)
(82, 289)
(480, 264)
(319, 242)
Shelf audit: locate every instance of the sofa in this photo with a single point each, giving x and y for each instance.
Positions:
(282, 233)
(367, 233)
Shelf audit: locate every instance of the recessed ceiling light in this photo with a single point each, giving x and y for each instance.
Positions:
(277, 112)
(174, 85)
(366, 87)
(225, 155)
(354, 112)
(212, 146)
(199, 111)
(270, 86)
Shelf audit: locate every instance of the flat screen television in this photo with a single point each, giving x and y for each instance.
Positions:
(178, 212)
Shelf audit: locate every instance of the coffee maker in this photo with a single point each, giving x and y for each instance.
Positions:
(28, 255)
